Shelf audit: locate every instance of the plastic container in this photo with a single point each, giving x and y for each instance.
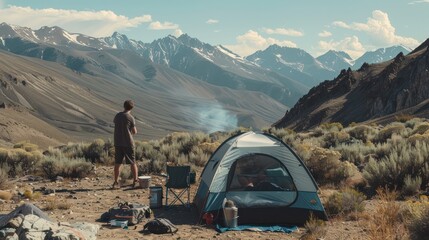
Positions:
(144, 181)
(230, 216)
(119, 223)
(155, 197)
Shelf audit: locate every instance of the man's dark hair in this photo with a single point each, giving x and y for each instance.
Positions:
(128, 105)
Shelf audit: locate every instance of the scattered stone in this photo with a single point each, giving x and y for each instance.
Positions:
(16, 221)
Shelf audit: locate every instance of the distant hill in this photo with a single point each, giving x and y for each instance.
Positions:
(375, 91)
(336, 60)
(294, 63)
(380, 55)
(82, 105)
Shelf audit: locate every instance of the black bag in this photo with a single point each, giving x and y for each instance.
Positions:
(160, 226)
(134, 213)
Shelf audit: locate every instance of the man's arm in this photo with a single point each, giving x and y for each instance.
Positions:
(133, 130)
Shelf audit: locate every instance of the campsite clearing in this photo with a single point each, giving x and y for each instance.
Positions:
(86, 199)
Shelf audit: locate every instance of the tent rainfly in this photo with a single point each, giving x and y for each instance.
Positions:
(264, 178)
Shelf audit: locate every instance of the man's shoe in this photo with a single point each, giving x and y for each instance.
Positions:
(116, 185)
(134, 183)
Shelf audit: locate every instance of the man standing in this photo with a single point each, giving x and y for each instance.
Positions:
(125, 128)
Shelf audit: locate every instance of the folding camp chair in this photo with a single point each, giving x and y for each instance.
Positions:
(177, 178)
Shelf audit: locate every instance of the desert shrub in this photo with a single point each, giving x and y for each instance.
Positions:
(413, 122)
(403, 160)
(95, 150)
(125, 173)
(403, 118)
(49, 168)
(418, 220)
(198, 157)
(53, 152)
(385, 221)
(389, 130)
(208, 147)
(418, 138)
(315, 229)
(19, 161)
(362, 132)
(326, 167)
(345, 202)
(158, 166)
(280, 132)
(356, 152)
(333, 139)
(4, 154)
(28, 147)
(4, 179)
(412, 185)
(332, 127)
(182, 160)
(420, 128)
(65, 167)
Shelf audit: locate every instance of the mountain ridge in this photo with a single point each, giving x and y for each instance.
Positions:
(371, 92)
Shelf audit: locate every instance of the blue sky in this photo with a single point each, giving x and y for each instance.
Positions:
(243, 26)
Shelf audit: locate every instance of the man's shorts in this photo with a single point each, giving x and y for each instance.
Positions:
(126, 153)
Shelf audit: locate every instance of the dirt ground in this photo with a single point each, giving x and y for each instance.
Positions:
(86, 199)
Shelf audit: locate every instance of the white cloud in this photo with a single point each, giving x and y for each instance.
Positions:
(177, 32)
(379, 28)
(93, 23)
(163, 26)
(417, 2)
(350, 45)
(252, 41)
(212, 21)
(284, 31)
(325, 34)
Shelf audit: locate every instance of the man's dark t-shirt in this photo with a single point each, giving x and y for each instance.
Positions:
(124, 122)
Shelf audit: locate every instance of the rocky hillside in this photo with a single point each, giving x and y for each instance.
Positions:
(399, 86)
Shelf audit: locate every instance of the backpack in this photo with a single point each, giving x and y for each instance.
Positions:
(134, 213)
(160, 226)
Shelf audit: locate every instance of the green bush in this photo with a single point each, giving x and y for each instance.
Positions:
(404, 160)
(345, 202)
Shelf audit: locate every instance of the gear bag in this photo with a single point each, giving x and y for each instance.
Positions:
(133, 212)
(160, 226)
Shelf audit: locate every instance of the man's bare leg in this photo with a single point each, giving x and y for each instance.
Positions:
(116, 171)
(134, 171)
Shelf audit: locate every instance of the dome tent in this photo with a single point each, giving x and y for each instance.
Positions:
(265, 179)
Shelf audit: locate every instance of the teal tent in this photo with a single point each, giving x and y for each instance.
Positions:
(264, 178)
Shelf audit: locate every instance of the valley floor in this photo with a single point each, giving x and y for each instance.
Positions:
(86, 199)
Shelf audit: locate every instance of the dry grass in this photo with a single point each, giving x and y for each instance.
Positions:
(315, 229)
(4, 179)
(385, 221)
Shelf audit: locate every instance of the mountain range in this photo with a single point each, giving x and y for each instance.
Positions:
(179, 83)
(375, 92)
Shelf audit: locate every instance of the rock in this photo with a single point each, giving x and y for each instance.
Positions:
(59, 179)
(15, 222)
